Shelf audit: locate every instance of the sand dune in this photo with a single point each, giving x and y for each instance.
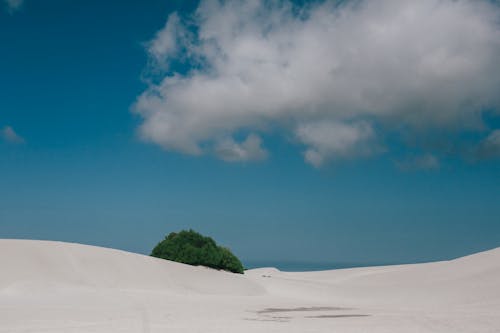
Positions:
(62, 287)
(26, 265)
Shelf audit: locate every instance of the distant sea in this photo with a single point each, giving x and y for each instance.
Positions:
(296, 266)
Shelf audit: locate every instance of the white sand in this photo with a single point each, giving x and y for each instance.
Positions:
(63, 287)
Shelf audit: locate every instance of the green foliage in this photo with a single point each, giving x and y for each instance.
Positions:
(190, 247)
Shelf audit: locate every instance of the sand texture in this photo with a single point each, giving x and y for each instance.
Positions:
(63, 287)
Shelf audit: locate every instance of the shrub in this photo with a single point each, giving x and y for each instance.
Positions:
(192, 248)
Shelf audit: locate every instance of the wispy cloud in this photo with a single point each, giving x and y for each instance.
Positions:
(489, 147)
(249, 150)
(8, 134)
(326, 140)
(326, 75)
(14, 5)
(419, 162)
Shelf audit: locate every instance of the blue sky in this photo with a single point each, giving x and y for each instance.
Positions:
(121, 121)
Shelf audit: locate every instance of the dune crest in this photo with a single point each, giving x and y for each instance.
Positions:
(51, 264)
(64, 287)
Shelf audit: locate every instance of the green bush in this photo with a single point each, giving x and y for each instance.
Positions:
(192, 248)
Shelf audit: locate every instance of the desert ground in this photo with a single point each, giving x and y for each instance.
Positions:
(64, 287)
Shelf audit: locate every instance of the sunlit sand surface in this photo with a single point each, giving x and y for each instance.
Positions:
(62, 287)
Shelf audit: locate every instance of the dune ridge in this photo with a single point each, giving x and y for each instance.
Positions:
(51, 263)
(50, 286)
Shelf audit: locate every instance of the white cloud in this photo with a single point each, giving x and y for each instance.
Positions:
(249, 150)
(9, 135)
(326, 74)
(14, 5)
(327, 140)
(169, 42)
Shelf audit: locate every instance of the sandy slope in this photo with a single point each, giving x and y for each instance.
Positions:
(62, 287)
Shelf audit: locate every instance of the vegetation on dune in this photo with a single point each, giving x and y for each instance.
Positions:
(192, 248)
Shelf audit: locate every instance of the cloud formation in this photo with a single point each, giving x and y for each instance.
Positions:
(14, 5)
(337, 139)
(248, 150)
(490, 146)
(419, 162)
(335, 78)
(8, 134)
